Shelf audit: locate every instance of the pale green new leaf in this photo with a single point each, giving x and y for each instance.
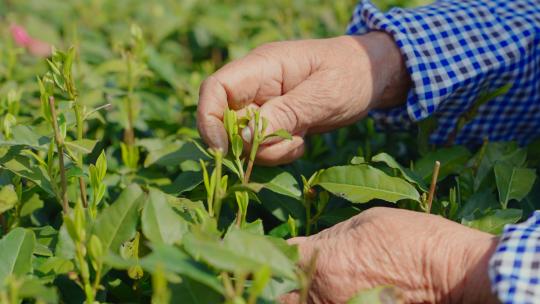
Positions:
(513, 183)
(363, 183)
(377, 295)
(282, 133)
(84, 146)
(160, 224)
(16, 249)
(8, 198)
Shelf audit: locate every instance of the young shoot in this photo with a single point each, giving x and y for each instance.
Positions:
(237, 159)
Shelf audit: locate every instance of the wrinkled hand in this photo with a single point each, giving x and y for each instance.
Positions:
(303, 87)
(428, 258)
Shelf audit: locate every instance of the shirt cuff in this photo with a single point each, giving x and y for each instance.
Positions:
(514, 269)
(454, 50)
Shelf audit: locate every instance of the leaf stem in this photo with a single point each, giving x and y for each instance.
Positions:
(60, 148)
(433, 185)
(227, 284)
(80, 131)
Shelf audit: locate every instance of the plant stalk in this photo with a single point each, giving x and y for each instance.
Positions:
(60, 149)
(80, 131)
(433, 186)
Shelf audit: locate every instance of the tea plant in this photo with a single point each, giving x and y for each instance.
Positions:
(107, 193)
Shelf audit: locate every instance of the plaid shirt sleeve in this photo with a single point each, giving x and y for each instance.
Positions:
(456, 50)
(515, 266)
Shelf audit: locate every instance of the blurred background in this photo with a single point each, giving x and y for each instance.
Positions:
(173, 45)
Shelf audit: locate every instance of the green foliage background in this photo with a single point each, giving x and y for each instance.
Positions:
(148, 233)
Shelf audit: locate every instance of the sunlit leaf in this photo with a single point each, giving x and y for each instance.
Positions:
(363, 183)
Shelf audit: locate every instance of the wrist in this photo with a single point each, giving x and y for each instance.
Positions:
(391, 79)
(461, 268)
(476, 282)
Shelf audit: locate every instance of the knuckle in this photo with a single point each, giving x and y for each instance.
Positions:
(266, 47)
(374, 213)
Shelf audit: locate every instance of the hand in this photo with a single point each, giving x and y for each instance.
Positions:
(303, 87)
(428, 258)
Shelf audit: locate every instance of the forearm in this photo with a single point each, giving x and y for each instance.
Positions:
(455, 51)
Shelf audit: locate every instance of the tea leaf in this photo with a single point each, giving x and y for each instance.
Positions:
(84, 146)
(16, 249)
(160, 223)
(117, 223)
(494, 221)
(378, 295)
(453, 160)
(8, 198)
(362, 183)
(240, 251)
(278, 181)
(408, 174)
(513, 183)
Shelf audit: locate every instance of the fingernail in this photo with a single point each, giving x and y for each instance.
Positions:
(246, 134)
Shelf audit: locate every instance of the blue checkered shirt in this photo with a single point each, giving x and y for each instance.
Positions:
(514, 269)
(456, 50)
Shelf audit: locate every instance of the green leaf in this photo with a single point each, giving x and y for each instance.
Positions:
(479, 202)
(32, 204)
(24, 135)
(363, 183)
(190, 291)
(84, 146)
(513, 183)
(8, 198)
(377, 295)
(282, 133)
(174, 154)
(173, 260)
(408, 174)
(452, 160)
(184, 182)
(23, 167)
(494, 221)
(493, 153)
(118, 222)
(277, 180)
(240, 252)
(160, 224)
(33, 288)
(16, 249)
(56, 265)
(237, 145)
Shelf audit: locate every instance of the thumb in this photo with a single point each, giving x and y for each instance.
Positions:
(307, 247)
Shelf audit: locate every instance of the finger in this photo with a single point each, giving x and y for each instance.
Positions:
(296, 111)
(253, 78)
(212, 105)
(292, 297)
(283, 152)
(297, 240)
(235, 85)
